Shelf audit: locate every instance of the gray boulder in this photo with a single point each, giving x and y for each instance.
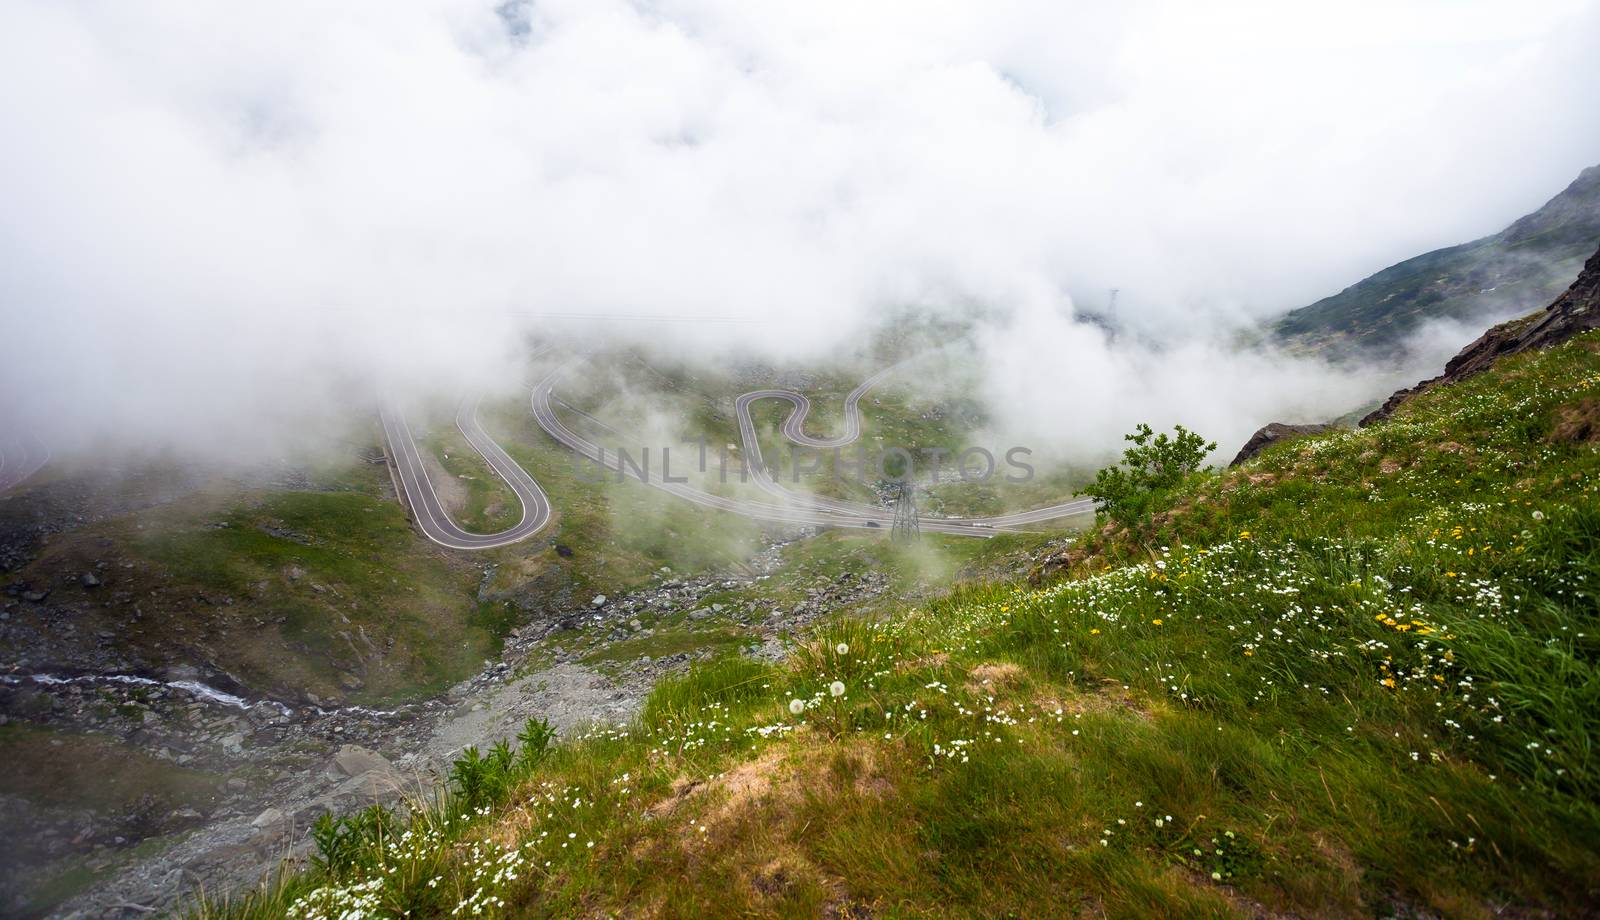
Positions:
(354, 760)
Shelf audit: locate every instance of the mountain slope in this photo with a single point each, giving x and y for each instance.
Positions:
(1521, 268)
(1573, 313)
(1357, 676)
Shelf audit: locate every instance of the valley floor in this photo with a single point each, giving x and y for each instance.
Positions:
(211, 790)
(199, 662)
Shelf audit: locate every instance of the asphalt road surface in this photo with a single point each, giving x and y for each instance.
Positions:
(428, 511)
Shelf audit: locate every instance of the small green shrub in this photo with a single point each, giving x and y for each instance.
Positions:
(1154, 466)
(479, 779)
(534, 741)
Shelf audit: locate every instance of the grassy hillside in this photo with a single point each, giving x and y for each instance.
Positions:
(1522, 267)
(1355, 676)
(325, 591)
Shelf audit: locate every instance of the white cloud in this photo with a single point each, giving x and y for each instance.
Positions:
(210, 207)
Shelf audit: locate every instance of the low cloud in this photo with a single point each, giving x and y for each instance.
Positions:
(1070, 390)
(221, 221)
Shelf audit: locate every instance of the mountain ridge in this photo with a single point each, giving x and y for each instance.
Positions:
(1519, 269)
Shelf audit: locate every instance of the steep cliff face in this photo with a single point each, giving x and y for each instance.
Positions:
(1574, 312)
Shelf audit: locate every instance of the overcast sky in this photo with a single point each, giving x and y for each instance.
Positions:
(213, 210)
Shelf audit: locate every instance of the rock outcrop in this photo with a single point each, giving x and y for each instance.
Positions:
(1574, 312)
(1274, 433)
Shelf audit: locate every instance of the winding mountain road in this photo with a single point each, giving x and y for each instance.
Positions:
(788, 507)
(426, 508)
(793, 507)
(544, 413)
(792, 428)
(20, 457)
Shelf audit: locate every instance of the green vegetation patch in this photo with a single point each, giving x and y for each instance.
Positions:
(73, 772)
(487, 504)
(53, 768)
(342, 588)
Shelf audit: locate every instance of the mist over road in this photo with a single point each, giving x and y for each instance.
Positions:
(790, 507)
(20, 457)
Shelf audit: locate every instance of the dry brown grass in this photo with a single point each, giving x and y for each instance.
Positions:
(731, 794)
(754, 820)
(1578, 423)
(934, 661)
(1110, 697)
(994, 678)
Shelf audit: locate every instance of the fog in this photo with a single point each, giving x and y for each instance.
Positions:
(224, 225)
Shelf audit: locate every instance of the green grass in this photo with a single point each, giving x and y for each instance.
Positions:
(58, 887)
(488, 505)
(1311, 687)
(64, 769)
(664, 643)
(329, 591)
(347, 586)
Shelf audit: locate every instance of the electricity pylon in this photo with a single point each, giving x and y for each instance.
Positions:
(906, 525)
